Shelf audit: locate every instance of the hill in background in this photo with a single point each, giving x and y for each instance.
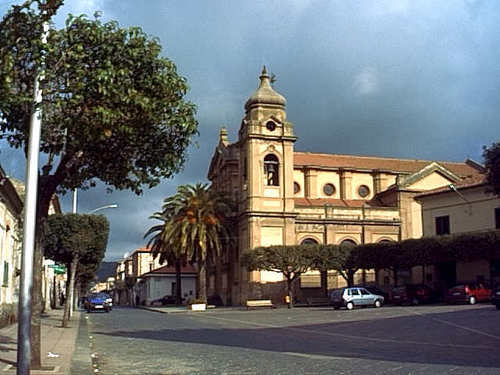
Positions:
(107, 269)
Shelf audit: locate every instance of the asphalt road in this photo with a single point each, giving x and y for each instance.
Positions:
(433, 340)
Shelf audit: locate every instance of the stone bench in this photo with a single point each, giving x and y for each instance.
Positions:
(260, 303)
(318, 301)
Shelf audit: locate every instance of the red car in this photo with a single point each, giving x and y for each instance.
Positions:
(468, 293)
(412, 295)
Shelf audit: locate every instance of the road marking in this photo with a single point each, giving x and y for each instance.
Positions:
(352, 337)
(317, 356)
(457, 325)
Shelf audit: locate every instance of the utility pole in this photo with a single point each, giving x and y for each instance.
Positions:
(26, 287)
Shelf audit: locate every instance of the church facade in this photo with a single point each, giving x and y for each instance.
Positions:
(286, 197)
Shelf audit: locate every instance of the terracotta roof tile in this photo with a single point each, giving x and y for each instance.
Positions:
(171, 269)
(468, 182)
(373, 162)
(142, 250)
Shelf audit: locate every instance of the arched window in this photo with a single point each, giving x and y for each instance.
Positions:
(271, 170)
(309, 241)
(347, 244)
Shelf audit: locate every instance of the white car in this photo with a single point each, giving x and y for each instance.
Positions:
(353, 297)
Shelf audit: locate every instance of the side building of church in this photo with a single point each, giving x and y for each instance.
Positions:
(286, 197)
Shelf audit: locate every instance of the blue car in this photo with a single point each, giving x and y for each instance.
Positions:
(98, 302)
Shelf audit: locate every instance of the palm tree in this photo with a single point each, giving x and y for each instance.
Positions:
(164, 247)
(195, 227)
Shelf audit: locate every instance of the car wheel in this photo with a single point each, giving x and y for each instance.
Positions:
(336, 307)
(378, 303)
(472, 300)
(349, 305)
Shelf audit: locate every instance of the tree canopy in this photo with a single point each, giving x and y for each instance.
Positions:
(290, 261)
(113, 107)
(67, 235)
(492, 163)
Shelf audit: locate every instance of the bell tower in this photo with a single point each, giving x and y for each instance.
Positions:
(266, 142)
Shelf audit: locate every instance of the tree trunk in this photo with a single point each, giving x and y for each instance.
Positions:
(53, 303)
(202, 279)
(289, 283)
(69, 291)
(178, 280)
(47, 188)
(324, 282)
(350, 277)
(218, 276)
(36, 300)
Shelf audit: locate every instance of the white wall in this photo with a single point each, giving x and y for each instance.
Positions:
(159, 286)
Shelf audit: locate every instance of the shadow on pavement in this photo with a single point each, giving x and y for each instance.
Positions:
(452, 338)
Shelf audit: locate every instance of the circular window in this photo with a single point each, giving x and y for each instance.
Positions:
(296, 188)
(270, 126)
(363, 191)
(329, 189)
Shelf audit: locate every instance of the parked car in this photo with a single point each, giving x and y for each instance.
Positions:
(468, 293)
(98, 302)
(495, 296)
(375, 290)
(165, 300)
(353, 297)
(411, 294)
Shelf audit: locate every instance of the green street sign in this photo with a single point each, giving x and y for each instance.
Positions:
(58, 269)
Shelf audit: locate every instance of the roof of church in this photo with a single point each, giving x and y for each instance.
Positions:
(462, 169)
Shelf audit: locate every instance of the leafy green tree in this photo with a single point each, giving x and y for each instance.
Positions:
(79, 242)
(290, 261)
(113, 108)
(339, 258)
(492, 163)
(195, 227)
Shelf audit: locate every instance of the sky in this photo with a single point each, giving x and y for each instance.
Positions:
(395, 78)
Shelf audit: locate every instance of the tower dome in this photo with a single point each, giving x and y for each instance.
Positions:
(265, 94)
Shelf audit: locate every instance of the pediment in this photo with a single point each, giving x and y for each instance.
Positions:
(432, 176)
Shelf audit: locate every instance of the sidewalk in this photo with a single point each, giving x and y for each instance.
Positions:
(58, 346)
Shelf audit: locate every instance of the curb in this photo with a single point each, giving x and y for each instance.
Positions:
(81, 363)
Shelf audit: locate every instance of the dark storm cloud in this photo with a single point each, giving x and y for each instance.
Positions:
(391, 78)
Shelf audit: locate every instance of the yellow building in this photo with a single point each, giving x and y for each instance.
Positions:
(286, 197)
(11, 206)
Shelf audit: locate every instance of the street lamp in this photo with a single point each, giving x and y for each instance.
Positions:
(113, 205)
(454, 188)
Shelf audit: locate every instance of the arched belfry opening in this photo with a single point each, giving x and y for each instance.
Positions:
(271, 170)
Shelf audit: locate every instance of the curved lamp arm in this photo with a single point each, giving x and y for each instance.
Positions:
(114, 205)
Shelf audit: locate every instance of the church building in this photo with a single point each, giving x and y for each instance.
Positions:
(287, 197)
